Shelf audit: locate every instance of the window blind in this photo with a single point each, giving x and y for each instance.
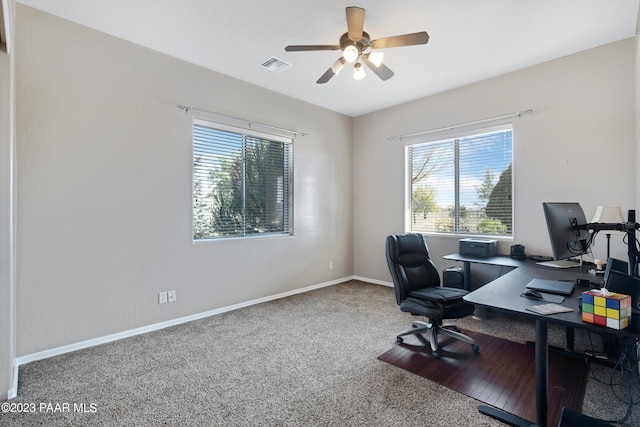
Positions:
(462, 185)
(241, 183)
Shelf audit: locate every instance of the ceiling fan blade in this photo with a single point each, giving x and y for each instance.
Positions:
(403, 40)
(305, 47)
(382, 71)
(326, 76)
(355, 22)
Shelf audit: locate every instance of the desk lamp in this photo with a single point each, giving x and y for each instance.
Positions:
(609, 215)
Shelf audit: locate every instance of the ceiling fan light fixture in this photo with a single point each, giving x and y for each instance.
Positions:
(351, 53)
(357, 47)
(358, 72)
(376, 58)
(337, 66)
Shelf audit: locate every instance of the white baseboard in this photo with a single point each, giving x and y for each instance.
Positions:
(13, 391)
(150, 328)
(374, 281)
(45, 354)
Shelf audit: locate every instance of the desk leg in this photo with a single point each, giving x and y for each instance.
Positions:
(542, 372)
(570, 332)
(466, 268)
(505, 417)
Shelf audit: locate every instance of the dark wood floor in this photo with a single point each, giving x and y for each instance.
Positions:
(501, 375)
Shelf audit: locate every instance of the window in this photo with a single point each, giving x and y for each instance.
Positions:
(241, 182)
(462, 185)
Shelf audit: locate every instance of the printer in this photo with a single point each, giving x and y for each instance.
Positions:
(478, 247)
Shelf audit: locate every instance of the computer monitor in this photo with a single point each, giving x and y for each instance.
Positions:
(566, 242)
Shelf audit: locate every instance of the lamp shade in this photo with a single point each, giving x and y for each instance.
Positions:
(608, 215)
(376, 58)
(351, 53)
(337, 66)
(358, 72)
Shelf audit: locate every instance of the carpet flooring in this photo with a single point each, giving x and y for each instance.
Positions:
(305, 360)
(501, 375)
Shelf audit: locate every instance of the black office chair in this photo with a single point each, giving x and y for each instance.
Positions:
(418, 291)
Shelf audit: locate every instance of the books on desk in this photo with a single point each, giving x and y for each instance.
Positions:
(549, 309)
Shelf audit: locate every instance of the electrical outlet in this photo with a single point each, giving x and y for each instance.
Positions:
(171, 296)
(330, 265)
(162, 298)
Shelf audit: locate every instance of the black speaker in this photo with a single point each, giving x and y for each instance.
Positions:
(453, 277)
(517, 252)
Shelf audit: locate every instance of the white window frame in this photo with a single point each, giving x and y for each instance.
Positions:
(288, 197)
(441, 137)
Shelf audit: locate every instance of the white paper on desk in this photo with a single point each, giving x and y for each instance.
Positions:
(549, 308)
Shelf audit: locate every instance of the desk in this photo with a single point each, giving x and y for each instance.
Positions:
(497, 260)
(504, 261)
(503, 294)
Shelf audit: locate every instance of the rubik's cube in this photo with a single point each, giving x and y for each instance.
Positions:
(612, 311)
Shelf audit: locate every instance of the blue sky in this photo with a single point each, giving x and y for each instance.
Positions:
(478, 154)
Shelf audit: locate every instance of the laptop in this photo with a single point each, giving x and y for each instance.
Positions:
(563, 263)
(559, 287)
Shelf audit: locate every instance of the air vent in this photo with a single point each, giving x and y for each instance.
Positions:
(276, 65)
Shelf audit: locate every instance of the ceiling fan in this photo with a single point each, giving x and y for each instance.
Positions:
(357, 46)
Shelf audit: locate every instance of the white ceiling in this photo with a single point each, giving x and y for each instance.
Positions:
(470, 40)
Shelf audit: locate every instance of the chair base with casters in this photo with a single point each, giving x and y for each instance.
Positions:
(418, 292)
(433, 329)
(433, 310)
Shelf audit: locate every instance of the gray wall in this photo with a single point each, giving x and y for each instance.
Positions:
(579, 146)
(104, 164)
(104, 184)
(637, 106)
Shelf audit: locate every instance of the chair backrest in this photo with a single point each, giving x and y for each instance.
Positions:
(409, 263)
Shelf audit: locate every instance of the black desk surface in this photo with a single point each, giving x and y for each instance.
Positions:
(507, 261)
(504, 294)
(499, 260)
